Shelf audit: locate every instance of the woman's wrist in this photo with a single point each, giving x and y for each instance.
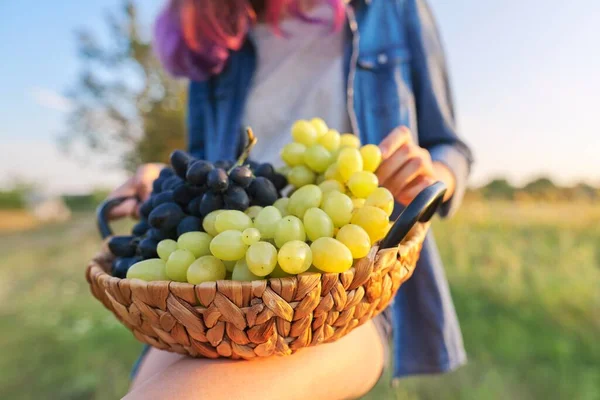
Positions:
(444, 174)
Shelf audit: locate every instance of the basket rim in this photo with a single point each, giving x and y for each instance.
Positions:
(403, 247)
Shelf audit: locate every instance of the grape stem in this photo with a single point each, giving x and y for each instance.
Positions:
(246, 152)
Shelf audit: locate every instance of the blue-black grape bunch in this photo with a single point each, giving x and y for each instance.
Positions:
(187, 191)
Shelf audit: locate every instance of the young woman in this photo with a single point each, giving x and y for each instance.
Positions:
(371, 67)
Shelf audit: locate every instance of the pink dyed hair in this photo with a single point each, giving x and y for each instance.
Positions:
(193, 38)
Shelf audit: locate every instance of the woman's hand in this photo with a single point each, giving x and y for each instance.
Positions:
(139, 185)
(407, 169)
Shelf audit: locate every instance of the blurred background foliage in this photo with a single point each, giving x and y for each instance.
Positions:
(124, 102)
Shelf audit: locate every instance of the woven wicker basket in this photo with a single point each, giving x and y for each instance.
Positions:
(276, 316)
(256, 319)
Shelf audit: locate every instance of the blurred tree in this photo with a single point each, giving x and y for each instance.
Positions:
(540, 189)
(17, 193)
(12, 199)
(125, 105)
(498, 188)
(582, 191)
(539, 185)
(85, 202)
(543, 189)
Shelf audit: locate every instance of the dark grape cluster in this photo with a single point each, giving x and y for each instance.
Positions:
(184, 194)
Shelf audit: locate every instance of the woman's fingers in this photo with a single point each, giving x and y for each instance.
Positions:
(128, 208)
(128, 188)
(413, 191)
(406, 168)
(138, 186)
(392, 142)
(390, 167)
(144, 177)
(407, 173)
(408, 193)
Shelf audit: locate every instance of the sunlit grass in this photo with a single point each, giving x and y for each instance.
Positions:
(525, 282)
(524, 278)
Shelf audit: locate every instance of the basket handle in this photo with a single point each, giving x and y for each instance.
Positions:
(102, 214)
(421, 209)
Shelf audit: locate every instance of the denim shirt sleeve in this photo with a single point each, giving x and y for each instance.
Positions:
(433, 98)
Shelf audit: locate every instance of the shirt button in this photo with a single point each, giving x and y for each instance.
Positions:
(382, 58)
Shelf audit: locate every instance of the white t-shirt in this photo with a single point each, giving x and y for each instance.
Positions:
(298, 76)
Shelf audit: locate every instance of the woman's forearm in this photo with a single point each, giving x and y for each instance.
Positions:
(346, 368)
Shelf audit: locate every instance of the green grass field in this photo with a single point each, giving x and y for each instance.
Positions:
(525, 280)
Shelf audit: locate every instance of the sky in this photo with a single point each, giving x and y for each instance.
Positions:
(525, 77)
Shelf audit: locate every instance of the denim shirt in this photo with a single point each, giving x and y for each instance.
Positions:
(396, 75)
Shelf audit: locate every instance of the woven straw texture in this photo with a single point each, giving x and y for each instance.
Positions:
(260, 318)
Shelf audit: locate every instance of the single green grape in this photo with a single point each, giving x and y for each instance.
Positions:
(261, 258)
(304, 132)
(330, 140)
(152, 269)
(232, 220)
(330, 185)
(331, 255)
(371, 155)
(165, 248)
(320, 126)
(252, 211)
(178, 263)
(295, 257)
(196, 242)
(209, 222)
(373, 220)
(349, 161)
(250, 236)
(228, 246)
(304, 198)
(289, 228)
(229, 265)
(363, 183)
(266, 222)
(349, 140)
(293, 154)
(317, 224)
(301, 175)
(339, 208)
(206, 269)
(381, 198)
(356, 239)
(317, 158)
(242, 273)
(281, 204)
